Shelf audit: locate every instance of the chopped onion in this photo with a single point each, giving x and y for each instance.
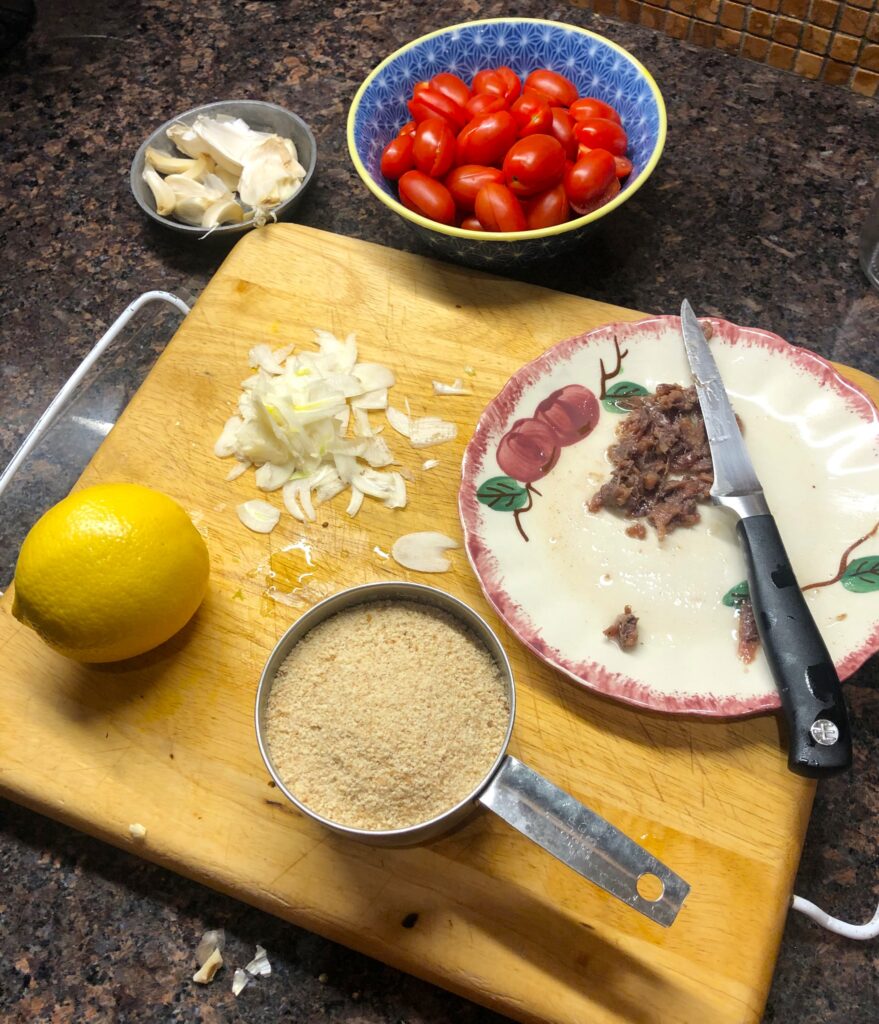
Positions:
(225, 445)
(380, 553)
(355, 502)
(423, 552)
(430, 430)
(240, 981)
(398, 420)
(242, 466)
(374, 376)
(262, 357)
(258, 515)
(270, 477)
(362, 426)
(137, 831)
(377, 453)
(371, 400)
(469, 371)
(259, 966)
(429, 464)
(455, 388)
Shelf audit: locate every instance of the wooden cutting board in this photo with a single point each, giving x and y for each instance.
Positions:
(167, 739)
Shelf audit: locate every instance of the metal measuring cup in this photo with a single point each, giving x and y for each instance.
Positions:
(526, 800)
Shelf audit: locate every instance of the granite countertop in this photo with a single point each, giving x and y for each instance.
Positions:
(753, 212)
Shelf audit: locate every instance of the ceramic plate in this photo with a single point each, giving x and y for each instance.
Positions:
(559, 574)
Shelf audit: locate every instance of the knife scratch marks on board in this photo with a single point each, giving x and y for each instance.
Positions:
(298, 860)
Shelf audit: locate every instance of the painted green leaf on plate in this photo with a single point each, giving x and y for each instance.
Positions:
(614, 400)
(862, 575)
(735, 595)
(503, 494)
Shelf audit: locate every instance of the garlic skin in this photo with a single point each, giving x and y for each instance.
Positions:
(270, 175)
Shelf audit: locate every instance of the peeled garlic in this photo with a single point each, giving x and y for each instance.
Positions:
(423, 552)
(223, 211)
(191, 209)
(162, 194)
(164, 163)
(205, 974)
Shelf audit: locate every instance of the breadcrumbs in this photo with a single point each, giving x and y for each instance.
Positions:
(386, 715)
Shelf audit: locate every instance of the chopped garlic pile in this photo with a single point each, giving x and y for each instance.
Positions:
(292, 425)
(223, 156)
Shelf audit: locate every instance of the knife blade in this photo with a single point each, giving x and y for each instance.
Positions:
(811, 695)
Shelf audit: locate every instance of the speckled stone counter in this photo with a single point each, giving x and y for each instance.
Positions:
(753, 212)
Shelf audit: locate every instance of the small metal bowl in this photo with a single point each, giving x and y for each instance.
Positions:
(526, 800)
(264, 117)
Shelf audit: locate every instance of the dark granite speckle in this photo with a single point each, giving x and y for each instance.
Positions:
(753, 212)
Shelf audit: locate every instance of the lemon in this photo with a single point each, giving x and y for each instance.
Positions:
(110, 572)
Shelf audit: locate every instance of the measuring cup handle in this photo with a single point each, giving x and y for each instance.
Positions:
(582, 839)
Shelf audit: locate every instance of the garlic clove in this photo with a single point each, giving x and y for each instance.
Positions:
(228, 141)
(270, 174)
(223, 211)
(186, 188)
(186, 140)
(163, 194)
(191, 210)
(201, 167)
(164, 163)
(205, 974)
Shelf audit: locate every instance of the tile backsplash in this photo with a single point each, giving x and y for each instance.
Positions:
(831, 40)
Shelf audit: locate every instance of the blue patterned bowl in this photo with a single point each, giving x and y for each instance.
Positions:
(597, 66)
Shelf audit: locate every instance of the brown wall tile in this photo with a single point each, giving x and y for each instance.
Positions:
(681, 6)
(704, 35)
(605, 7)
(808, 64)
(815, 40)
(732, 15)
(865, 82)
(870, 58)
(787, 31)
(652, 17)
(836, 73)
(852, 21)
(707, 10)
(845, 48)
(766, 5)
(873, 29)
(729, 40)
(781, 56)
(868, 4)
(823, 12)
(630, 10)
(755, 47)
(676, 25)
(760, 23)
(795, 8)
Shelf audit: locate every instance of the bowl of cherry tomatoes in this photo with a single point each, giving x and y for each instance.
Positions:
(508, 139)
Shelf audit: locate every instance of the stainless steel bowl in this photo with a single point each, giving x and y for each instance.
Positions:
(264, 117)
(524, 799)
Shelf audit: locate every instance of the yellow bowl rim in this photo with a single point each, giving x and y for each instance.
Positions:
(507, 236)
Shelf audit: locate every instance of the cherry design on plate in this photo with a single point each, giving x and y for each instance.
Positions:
(531, 447)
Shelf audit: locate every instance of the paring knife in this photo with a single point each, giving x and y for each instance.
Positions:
(810, 691)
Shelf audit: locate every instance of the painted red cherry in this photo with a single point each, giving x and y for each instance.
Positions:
(528, 451)
(570, 413)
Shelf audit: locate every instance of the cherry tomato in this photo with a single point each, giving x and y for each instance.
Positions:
(623, 166)
(601, 133)
(452, 86)
(465, 182)
(434, 147)
(420, 87)
(502, 81)
(427, 196)
(397, 157)
(408, 128)
(486, 139)
(485, 103)
(583, 110)
(471, 224)
(589, 177)
(547, 209)
(582, 150)
(431, 103)
(534, 164)
(583, 208)
(499, 210)
(562, 128)
(532, 114)
(553, 86)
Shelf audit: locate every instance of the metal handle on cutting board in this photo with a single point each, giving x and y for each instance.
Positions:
(581, 839)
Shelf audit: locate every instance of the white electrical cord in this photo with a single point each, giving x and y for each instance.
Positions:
(58, 402)
(850, 931)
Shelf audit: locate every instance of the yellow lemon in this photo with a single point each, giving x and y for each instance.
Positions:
(110, 572)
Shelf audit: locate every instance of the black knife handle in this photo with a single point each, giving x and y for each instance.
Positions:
(803, 669)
